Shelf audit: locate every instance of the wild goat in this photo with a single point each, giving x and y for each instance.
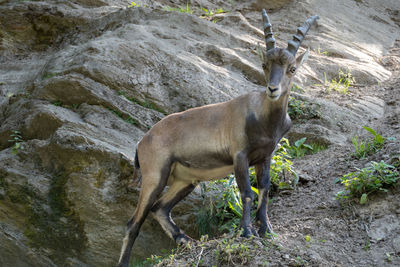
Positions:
(209, 142)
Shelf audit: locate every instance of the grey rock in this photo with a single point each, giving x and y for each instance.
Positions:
(383, 227)
(396, 245)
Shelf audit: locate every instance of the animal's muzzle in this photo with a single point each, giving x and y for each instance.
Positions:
(272, 89)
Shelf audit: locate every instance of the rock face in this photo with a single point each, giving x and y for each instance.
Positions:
(82, 82)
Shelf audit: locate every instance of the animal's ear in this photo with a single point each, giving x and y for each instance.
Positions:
(302, 58)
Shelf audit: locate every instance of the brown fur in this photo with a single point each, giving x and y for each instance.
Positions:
(210, 142)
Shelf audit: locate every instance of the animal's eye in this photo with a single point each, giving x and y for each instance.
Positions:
(292, 69)
(264, 66)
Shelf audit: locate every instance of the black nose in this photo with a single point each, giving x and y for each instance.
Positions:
(272, 89)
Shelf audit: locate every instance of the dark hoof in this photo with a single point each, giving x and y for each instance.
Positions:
(254, 232)
(266, 231)
(248, 232)
(184, 239)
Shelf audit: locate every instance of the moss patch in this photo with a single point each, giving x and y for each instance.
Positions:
(49, 221)
(146, 103)
(58, 228)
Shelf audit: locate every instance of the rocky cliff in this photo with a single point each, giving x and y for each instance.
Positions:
(82, 81)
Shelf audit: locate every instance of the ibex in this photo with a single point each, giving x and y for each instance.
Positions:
(212, 141)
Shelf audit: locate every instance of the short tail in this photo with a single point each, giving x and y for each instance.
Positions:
(137, 177)
(137, 165)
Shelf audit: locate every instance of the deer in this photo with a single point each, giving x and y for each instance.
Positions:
(212, 141)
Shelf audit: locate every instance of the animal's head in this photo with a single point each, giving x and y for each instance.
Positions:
(281, 64)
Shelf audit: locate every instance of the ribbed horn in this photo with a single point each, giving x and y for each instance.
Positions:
(294, 44)
(269, 35)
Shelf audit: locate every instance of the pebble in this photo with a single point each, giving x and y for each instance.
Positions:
(396, 245)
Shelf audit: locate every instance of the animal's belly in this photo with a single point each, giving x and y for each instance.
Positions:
(182, 172)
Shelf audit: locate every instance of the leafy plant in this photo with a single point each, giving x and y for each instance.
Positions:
(281, 173)
(378, 139)
(180, 9)
(376, 177)
(300, 148)
(320, 52)
(134, 4)
(229, 251)
(364, 148)
(211, 12)
(340, 83)
(299, 109)
(18, 145)
(389, 257)
(297, 89)
(224, 211)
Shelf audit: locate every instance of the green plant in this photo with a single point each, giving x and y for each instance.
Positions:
(376, 177)
(281, 173)
(18, 142)
(180, 9)
(364, 148)
(320, 52)
(297, 89)
(367, 245)
(231, 252)
(299, 109)
(146, 103)
(207, 218)
(134, 4)
(224, 211)
(126, 118)
(48, 75)
(211, 12)
(389, 257)
(341, 83)
(300, 261)
(300, 148)
(57, 103)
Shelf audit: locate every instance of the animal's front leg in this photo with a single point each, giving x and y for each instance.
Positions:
(263, 181)
(242, 179)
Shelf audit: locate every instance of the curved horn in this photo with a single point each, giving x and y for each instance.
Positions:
(269, 35)
(294, 44)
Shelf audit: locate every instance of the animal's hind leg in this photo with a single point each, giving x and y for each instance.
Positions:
(162, 210)
(152, 186)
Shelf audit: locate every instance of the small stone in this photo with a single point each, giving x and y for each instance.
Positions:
(304, 178)
(396, 245)
(315, 256)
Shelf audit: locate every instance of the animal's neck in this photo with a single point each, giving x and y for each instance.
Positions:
(276, 114)
(277, 109)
